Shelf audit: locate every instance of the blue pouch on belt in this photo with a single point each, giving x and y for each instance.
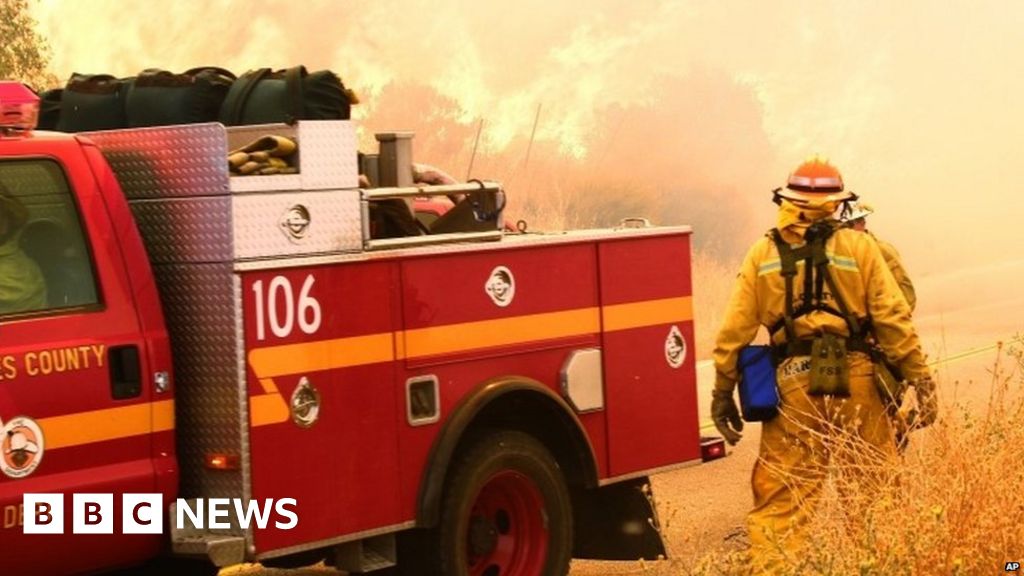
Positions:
(759, 392)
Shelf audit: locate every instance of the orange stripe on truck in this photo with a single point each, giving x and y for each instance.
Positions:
(267, 409)
(270, 407)
(322, 355)
(108, 424)
(647, 313)
(502, 332)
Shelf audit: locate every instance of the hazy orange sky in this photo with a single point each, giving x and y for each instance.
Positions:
(914, 101)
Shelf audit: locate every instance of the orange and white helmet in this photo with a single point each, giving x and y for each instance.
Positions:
(815, 180)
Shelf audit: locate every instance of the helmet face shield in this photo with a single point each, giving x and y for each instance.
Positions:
(799, 197)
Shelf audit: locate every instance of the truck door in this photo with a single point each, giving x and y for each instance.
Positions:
(649, 368)
(321, 340)
(76, 412)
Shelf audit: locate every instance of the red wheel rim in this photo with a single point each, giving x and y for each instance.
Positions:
(507, 532)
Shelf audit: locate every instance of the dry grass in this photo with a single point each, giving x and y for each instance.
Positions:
(712, 285)
(953, 504)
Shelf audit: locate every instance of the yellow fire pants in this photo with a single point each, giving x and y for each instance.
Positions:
(797, 448)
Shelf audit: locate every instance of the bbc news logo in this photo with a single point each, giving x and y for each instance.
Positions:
(143, 514)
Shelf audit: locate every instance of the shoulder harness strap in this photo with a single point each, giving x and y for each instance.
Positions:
(817, 275)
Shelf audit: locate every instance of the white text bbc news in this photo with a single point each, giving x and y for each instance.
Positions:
(144, 514)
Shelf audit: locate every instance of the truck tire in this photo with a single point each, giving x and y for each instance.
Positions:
(505, 511)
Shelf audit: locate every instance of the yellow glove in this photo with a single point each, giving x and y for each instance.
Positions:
(273, 145)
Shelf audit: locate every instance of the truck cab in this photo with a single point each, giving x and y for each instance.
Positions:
(80, 408)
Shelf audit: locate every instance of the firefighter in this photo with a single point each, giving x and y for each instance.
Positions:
(819, 288)
(22, 288)
(855, 216)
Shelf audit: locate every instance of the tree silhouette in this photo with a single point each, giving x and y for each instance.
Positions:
(25, 55)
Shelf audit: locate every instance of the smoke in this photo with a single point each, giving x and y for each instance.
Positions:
(689, 111)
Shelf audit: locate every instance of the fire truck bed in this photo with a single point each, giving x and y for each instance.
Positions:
(506, 242)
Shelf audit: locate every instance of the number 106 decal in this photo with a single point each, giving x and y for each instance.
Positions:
(277, 306)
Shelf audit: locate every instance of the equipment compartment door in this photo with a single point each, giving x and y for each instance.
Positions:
(323, 410)
(650, 380)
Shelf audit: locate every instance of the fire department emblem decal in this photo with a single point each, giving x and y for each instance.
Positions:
(305, 404)
(295, 222)
(675, 348)
(21, 447)
(501, 286)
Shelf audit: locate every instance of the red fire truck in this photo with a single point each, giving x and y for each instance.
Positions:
(460, 403)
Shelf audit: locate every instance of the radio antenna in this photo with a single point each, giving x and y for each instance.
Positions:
(476, 142)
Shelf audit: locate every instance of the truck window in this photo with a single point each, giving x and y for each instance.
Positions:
(44, 260)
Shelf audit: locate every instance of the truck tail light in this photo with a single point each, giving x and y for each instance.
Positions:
(711, 448)
(221, 461)
(19, 107)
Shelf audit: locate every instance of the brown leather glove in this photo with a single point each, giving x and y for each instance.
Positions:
(927, 402)
(726, 415)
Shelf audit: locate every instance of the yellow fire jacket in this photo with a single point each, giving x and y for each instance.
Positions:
(862, 277)
(895, 263)
(22, 287)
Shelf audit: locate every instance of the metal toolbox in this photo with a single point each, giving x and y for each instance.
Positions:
(326, 156)
(189, 209)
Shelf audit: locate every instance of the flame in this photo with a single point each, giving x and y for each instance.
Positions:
(698, 108)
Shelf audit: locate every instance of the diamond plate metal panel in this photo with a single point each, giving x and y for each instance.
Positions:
(177, 230)
(167, 161)
(245, 444)
(265, 183)
(329, 154)
(294, 223)
(201, 304)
